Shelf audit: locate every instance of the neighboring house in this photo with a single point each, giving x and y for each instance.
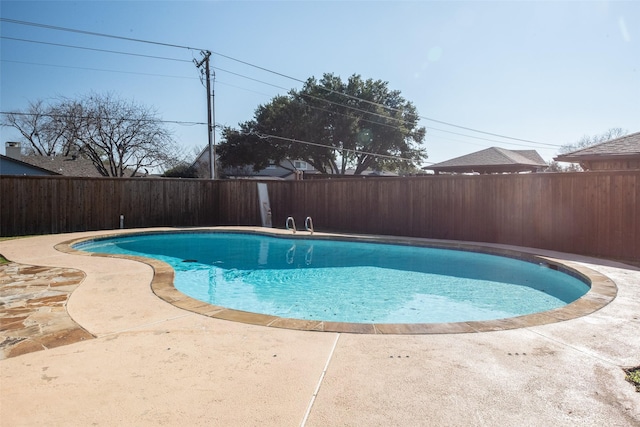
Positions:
(350, 173)
(14, 163)
(11, 166)
(291, 169)
(492, 160)
(617, 154)
(65, 165)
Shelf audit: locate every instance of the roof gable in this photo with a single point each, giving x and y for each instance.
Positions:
(628, 145)
(494, 157)
(63, 165)
(11, 166)
(531, 155)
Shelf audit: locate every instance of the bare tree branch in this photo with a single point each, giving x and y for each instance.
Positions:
(120, 137)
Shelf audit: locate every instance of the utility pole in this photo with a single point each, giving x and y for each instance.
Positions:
(211, 133)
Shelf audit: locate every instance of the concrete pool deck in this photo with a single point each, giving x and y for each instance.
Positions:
(153, 363)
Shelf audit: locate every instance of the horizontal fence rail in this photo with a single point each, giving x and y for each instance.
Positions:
(590, 213)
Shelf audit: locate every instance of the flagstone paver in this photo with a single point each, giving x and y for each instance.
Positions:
(33, 316)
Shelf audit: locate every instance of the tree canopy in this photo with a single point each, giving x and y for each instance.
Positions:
(332, 125)
(120, 137)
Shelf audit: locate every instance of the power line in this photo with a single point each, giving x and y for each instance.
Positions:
(240, 75)
(95, 49)
(220, 82)
(367, 112)
(278, 87)
(92, 33)
(485, 139)
(327, 101)
(249, 78)
(316, 144)
(178, 122)
(52, 27)
(371, 112)
(422, 117)
(259, 135)
(381, 105)
(489, 133)
(97, 69)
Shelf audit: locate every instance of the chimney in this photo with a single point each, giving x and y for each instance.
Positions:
(12, 150)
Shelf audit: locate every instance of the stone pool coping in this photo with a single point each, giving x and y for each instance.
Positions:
(602, 290)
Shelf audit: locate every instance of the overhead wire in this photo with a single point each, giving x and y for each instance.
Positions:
(93, 33)
(239, 75)
(179, 60)
(384, 106)
(367, 112)
(317, 144)
(46, 26)
(221, 82)
(370, 112)
(327, 101)
(481, 138)
(96, 69)
(94, 49)
(258, 134)
(249, 78)
(170, 45)
(178, 122)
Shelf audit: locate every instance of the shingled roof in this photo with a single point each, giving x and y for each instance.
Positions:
(493, 160)
(625, 146)
(63, 165)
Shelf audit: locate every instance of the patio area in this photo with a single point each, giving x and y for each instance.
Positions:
(139, 360)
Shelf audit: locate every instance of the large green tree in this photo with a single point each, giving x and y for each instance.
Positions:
(332, 125)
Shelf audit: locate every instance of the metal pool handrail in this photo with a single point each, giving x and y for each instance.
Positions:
(308, 224)
(291, 221)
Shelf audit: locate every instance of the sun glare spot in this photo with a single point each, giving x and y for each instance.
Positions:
(623, 30)
(434, 54)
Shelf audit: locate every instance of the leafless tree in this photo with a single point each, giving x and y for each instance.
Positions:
(587, 141)
(37, 125)
(584, 142)
(554, 166)
(120, 137)
(66, 120)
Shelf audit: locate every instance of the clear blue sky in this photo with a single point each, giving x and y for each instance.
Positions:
(544, 71)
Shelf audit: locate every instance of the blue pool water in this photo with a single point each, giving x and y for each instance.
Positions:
(349, 281)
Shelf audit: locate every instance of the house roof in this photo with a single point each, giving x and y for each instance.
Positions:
(11, 166)
(63, 165)
(625, 146)
(494, 159)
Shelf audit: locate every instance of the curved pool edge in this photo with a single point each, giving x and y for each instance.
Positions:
(602, 290)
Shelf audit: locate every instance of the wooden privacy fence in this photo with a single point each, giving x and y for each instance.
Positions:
(591, 213)
(44, 205)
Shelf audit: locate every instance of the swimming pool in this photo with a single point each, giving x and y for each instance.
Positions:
(347, 281)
